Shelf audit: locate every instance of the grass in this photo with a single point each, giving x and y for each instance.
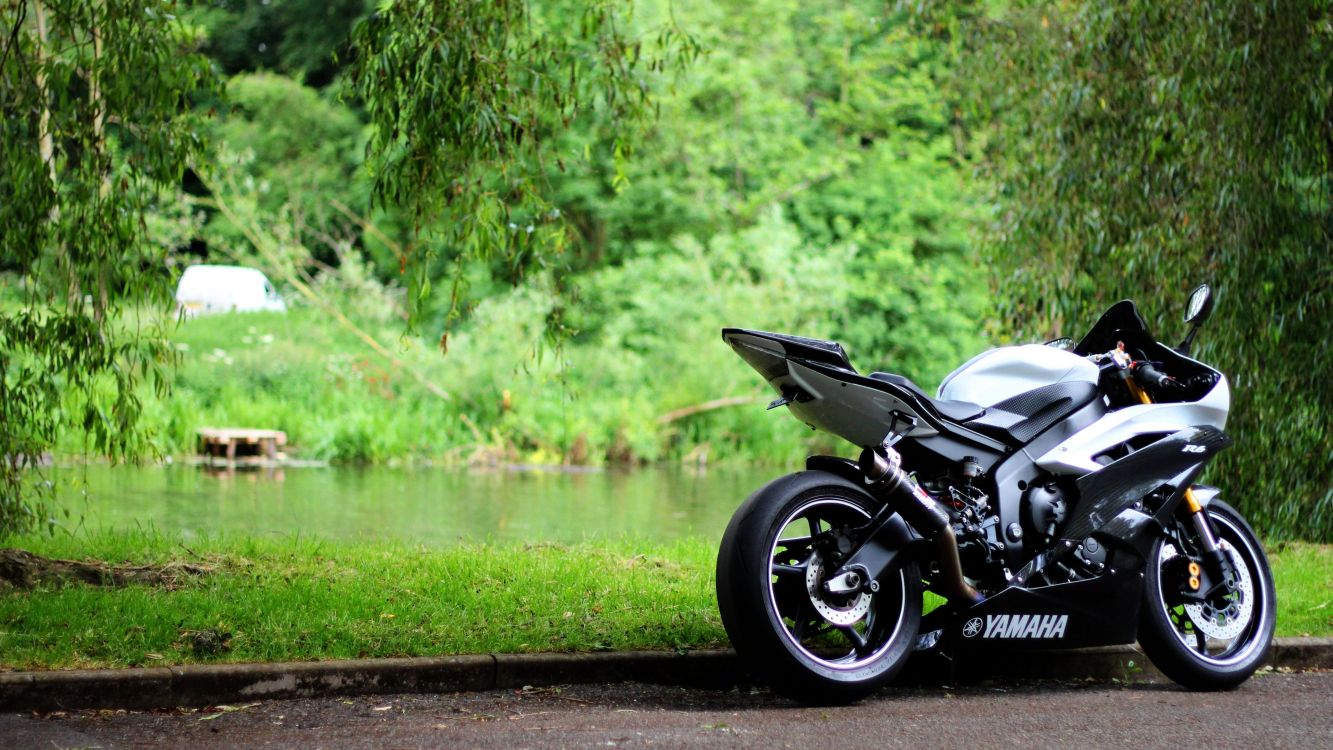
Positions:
(1303, 574)
(508, 400)
(291, 599)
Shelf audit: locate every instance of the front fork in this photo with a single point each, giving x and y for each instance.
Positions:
(1217, 575)
(1216, 570)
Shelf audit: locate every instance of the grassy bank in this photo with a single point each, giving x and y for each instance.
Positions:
(302, 599)
(496, 395)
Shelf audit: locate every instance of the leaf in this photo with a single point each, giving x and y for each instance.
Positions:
(220, 710)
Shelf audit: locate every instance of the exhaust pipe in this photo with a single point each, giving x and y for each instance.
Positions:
(882, 467)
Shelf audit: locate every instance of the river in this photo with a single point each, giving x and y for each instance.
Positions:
(427, 506)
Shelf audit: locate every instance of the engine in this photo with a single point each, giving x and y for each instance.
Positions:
(1044, 509)
(976, 524)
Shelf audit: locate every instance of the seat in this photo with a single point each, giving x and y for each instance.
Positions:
(954, 411)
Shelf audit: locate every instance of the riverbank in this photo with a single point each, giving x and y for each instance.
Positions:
(292, 599)
(377, 396)
(305, 599)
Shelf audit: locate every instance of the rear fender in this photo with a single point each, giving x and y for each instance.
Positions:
(843, 467)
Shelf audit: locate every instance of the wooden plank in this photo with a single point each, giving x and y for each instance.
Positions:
(241, 433)
(227, 442)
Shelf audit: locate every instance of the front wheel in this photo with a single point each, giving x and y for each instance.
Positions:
(807, 643)
(1213, 645)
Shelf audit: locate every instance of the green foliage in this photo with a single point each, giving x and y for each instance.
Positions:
(831, 114)
(98, 127)
(335, 399)
(87, 143)
(847, 221)
(806, 182)
(463, 97)
(304, 39)
(598, 399)
(299, 153)
(1139, 148)
(649, 344)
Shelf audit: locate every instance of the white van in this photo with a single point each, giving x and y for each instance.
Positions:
(218, 289)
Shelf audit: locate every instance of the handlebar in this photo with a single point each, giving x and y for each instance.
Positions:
(1147, 375)
(1142, 370)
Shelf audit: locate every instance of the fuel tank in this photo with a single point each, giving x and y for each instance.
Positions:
(998, 374)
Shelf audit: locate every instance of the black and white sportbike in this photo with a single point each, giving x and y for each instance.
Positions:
(1047, 493)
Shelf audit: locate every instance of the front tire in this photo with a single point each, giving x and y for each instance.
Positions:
(814, 647)
(1218, 645)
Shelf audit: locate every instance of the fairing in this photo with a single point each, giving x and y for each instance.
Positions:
(1080, 454)
(1001, 374)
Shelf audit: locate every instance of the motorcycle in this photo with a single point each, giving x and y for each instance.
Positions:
(1045, 496)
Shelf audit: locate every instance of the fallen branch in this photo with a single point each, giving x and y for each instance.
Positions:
(25, 570)
(717, 403)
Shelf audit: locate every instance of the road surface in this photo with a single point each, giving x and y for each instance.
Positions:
(1270, 711)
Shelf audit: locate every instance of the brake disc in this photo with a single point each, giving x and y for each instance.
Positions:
(1227, 621)
(837, 614)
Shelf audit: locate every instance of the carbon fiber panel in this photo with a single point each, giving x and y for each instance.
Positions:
(1040, 407)
(1036, 400)
(1104, 494)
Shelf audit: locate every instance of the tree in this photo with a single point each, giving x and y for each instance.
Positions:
(88, 142)
(98, 120)
(302, 147)
(465, 97)
(831, 113)
(1137, 148)
(306, 39)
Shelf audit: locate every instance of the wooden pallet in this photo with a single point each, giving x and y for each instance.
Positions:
(242, 444)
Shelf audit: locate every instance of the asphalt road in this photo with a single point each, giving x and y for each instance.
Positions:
(1270, 711)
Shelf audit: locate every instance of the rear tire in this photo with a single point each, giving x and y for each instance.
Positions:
(809, 645)
(1206, 647)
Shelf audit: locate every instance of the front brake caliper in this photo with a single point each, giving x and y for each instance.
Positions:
(1186, 573)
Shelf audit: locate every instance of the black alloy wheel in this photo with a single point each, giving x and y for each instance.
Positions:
(809, 643)
(1214, 645)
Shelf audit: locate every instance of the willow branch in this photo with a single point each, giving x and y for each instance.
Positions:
(266, 246)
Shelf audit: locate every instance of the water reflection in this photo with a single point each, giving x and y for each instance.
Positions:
(424, 505)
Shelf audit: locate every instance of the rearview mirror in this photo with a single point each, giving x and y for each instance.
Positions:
(1200, 305)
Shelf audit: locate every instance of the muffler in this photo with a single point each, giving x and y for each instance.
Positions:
(882, 467)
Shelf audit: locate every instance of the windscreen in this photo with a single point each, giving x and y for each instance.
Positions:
(1121, 322)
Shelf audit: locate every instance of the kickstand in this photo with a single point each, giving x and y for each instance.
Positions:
(948, 665)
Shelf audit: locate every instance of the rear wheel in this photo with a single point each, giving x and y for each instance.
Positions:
(807, 643)
(1213, 645)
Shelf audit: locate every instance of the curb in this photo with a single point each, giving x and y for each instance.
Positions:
(213, 684)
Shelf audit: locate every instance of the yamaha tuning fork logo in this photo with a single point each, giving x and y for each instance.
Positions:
(1017, 626)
